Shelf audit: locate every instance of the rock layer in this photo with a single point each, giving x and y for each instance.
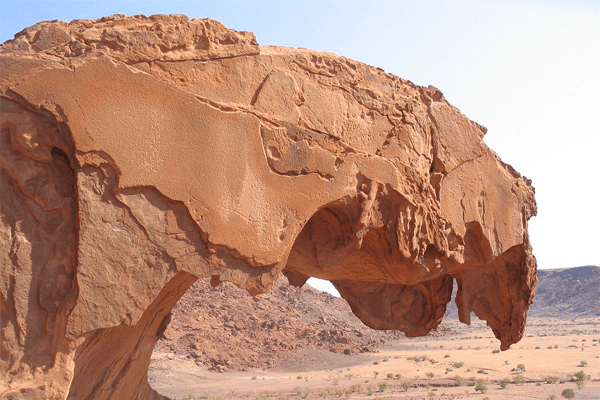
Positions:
(141, 153)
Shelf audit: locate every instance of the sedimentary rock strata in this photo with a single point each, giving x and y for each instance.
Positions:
(141, 153)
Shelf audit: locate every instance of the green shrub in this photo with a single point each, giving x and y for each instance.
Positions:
(519, 380)
(383, 386)
(459, 379)
(458, 365)
(568, 394)
(504, 383)
(407, 385)
(390, 375)
(551, 379)
(495, 351)
(480, 387)
(581, 376)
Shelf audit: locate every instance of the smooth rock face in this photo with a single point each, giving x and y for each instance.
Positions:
(141, 153)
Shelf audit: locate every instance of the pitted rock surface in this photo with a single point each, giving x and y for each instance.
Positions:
(141, 153)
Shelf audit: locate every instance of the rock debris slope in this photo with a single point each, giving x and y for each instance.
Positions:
(225, 329)
(139, 153)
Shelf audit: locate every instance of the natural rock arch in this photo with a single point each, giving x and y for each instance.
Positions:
(140, 153)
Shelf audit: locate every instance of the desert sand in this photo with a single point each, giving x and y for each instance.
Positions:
(446, 367)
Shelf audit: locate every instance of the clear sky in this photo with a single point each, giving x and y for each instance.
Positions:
(527, 70)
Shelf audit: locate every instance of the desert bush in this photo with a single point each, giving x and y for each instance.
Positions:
(583, 364)
(579, 384)
(580, 376)
(431, 395)
(519, 380)
(552, 397)
(430, 375)
(376, 363)
(447, 356)
(568, 394)
(375, 373)
(360, 389)
(398, 377)
(480, 387)
(299, 377)
(459, 379)
(551, 379)
(458, 365)
(386, 359)
(495, 351)
(521, 367)
(369, 390)
(390, 375)
(383, 386)
(406, 385)
(537, 347)
(504, 383)
(481, 371)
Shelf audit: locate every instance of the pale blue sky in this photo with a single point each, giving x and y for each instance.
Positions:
(527, 70)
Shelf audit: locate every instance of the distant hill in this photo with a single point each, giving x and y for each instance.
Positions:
(567, 293)
(561, 293)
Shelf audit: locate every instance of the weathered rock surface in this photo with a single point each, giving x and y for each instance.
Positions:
(141, 153)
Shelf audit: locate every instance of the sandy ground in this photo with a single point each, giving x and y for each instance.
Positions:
(429, 368)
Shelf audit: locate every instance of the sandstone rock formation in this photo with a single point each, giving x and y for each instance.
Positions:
(141, 153)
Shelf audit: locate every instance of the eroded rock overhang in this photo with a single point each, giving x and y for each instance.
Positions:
(139, 153)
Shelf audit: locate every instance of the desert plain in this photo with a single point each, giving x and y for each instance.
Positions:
(450, 366)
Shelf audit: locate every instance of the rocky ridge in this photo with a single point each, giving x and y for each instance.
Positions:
(567, 293)
(563, 293)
